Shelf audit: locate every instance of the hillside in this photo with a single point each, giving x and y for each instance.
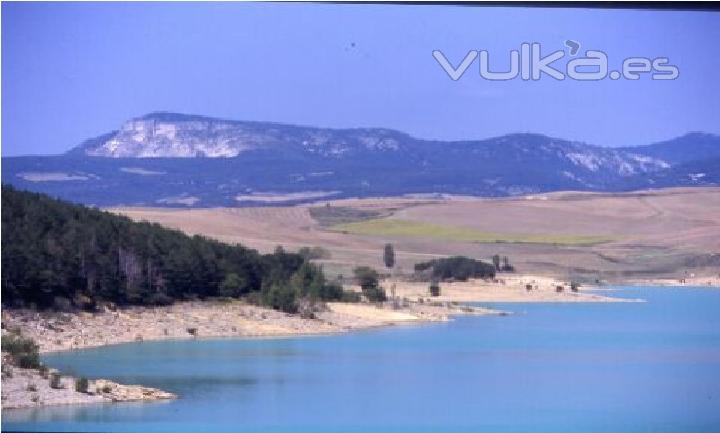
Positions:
(177, 160)
(618, 236)
(55, 254)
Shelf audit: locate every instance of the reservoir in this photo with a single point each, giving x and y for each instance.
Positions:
(574, 367)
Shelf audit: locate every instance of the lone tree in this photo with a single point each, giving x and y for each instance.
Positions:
(434, 288)
(389, 259)
(496, 261)
(389, 256)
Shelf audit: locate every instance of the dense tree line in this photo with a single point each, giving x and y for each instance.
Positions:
(60, 254)
(455, 268)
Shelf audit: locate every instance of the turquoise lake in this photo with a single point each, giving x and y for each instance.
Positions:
(610, 368)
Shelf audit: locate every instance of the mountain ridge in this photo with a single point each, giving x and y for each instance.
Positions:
(174, 159)
(166, 117)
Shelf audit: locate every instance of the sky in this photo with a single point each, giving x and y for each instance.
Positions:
(71, 71)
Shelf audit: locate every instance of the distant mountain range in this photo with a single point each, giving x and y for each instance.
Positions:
(170, 159)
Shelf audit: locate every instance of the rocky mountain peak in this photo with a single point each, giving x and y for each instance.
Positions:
(174, 135)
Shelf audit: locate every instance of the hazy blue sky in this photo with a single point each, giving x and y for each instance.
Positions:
(75, 70)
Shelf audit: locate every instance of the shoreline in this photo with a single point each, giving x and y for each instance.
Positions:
(510, 288)
(213, 319)
(30, 388)
(63, 331)
(57, 332)
(712, 282)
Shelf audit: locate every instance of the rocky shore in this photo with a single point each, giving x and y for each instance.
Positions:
(57, 331)
(25, 388)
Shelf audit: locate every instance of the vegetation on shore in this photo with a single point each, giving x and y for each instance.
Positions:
(458, 268)
(61, 255)
(505, 266)
(434, 288)
(369, 281)
(23, 352)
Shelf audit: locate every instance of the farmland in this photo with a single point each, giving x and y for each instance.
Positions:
(648, 234)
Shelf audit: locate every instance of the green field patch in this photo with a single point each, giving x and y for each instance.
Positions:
(328, 216)
(417, 229)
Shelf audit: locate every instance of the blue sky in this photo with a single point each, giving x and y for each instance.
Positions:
(71, 71)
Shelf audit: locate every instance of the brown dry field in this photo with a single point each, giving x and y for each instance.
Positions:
(654, 234)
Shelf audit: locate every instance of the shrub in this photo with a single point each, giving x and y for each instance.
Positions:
(496, 261)
(55, 380)
(375, 294)
(434, 288)
(158, 298)
(280, 297)
(23, 351)
(62, 303)
(506, 266)
(84, 302)
(308, 307)
(419, 267)
(232, 285)
(81, 385)
(331, 292)
(348, 296)
(31, 387)
(253, 298)
(368, 278)
(574, 286)
(7, 370)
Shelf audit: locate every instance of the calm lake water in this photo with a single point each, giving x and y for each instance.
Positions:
(610, 368)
